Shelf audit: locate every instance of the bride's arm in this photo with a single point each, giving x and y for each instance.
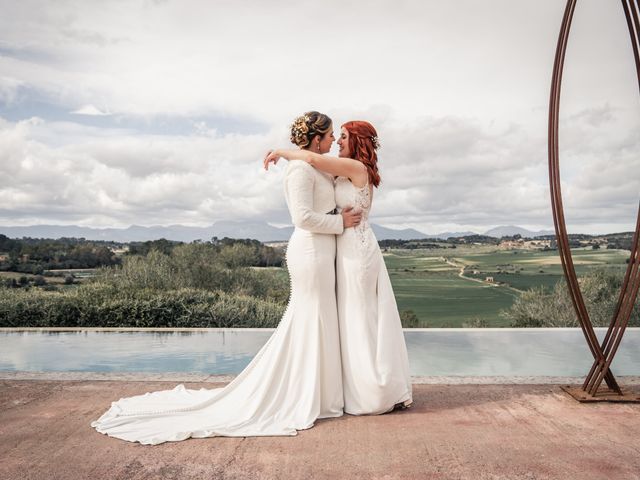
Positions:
(299, 189)
(336, 166)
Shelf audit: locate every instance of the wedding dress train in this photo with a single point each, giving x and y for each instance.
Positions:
(295, 378)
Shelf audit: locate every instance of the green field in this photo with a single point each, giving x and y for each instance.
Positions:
(428, 282)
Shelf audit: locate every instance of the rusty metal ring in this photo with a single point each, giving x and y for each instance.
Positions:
(603, 353)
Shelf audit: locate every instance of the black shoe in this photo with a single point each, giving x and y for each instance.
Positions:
(403, 405)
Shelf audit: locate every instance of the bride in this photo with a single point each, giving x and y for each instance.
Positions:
(296, 377)
(375, 366)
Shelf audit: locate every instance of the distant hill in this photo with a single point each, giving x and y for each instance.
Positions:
(384, 233)
(233, 229)
(257, 230)
(511, 230)
(445, 235)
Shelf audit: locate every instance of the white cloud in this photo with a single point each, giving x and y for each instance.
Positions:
(268, 59)
(458, 92)
(430, 180)
(134, 179)
(91, 110)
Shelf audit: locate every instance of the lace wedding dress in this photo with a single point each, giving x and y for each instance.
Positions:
(375, 365)
(295, 378)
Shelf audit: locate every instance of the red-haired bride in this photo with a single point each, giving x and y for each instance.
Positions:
(375, 365)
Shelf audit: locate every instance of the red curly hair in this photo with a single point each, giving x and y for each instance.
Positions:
(363, 143)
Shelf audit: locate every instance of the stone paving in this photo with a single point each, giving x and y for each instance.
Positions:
(455, 430)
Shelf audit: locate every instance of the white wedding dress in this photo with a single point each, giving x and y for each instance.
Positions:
(375, 365)
(295, 378)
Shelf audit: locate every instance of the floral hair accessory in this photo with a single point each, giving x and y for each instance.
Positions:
(300, 130)
(376, 142)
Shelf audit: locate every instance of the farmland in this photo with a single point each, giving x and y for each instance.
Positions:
(449, 287)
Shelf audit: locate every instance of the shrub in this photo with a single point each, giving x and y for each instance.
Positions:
(194, 285)
(409, 319)
(539, 307)
(194, 266)
(476, 323)
(96, 305)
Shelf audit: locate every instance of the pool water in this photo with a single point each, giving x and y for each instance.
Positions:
(432, 352)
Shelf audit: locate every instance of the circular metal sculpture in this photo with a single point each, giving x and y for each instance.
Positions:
(604, 353)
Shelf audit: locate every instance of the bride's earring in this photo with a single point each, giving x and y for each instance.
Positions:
(318, 146)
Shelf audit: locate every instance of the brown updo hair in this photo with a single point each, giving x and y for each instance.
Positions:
(305, 127)
(363, 143)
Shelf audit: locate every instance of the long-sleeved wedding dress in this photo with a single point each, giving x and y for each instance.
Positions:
(295, 378)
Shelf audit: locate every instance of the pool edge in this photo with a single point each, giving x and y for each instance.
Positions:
(206, 378)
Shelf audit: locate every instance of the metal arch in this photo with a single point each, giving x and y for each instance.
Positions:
(604, 353)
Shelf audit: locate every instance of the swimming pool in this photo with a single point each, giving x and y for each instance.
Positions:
(432, 352)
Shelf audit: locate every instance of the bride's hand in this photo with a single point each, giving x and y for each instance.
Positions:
(350, 217)
(272, 156)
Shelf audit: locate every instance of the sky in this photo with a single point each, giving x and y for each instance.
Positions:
(143, 112)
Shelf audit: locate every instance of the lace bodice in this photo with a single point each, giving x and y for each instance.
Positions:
(348, 195)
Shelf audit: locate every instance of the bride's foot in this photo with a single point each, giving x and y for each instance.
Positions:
(403, 405)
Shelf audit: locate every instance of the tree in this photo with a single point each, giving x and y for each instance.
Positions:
(238, 255)
(162, 245)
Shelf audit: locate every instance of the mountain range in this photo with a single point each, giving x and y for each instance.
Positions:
(233, 229)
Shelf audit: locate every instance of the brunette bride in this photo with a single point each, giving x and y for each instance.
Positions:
(296, 377)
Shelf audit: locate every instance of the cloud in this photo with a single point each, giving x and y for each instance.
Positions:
(132, 178)
(454, 171)
(438, 173)
(458, 93)
(91, 110)
(142, 58)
